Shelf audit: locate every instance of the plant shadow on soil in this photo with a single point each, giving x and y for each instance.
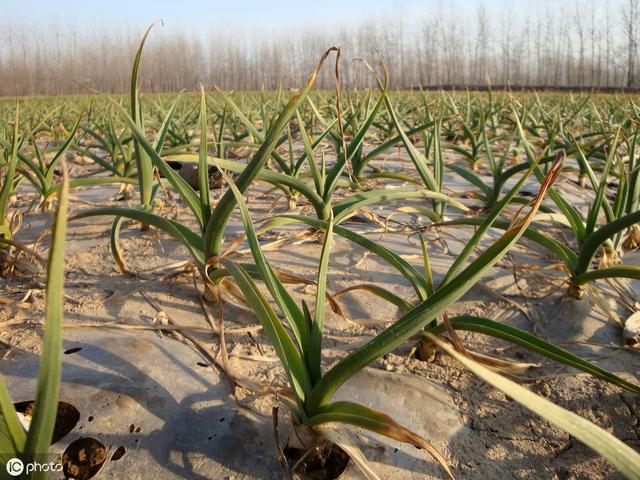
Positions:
(194, 419)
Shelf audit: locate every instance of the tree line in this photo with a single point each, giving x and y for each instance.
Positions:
(582, 43)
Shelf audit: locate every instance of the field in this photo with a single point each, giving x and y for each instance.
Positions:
(281, 284)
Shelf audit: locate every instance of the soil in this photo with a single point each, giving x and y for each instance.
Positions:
(66, 419)
(83, 459)
(326, 463)
(496, 438)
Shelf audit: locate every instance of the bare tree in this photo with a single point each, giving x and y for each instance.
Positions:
(630, 17)
(577, 21)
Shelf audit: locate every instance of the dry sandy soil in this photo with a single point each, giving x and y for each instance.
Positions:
(173, 413)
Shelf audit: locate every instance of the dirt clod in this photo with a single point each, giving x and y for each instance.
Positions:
(83, 458)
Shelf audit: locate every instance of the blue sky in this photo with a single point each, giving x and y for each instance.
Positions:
(202, 15)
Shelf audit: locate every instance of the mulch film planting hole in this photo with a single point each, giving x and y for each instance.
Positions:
(72, 350)
(325, 462)
(118, 454)
(66, 419)
(84, 458)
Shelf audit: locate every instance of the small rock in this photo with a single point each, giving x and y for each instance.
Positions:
(632, 331)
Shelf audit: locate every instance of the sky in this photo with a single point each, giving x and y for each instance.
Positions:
(202, 15)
